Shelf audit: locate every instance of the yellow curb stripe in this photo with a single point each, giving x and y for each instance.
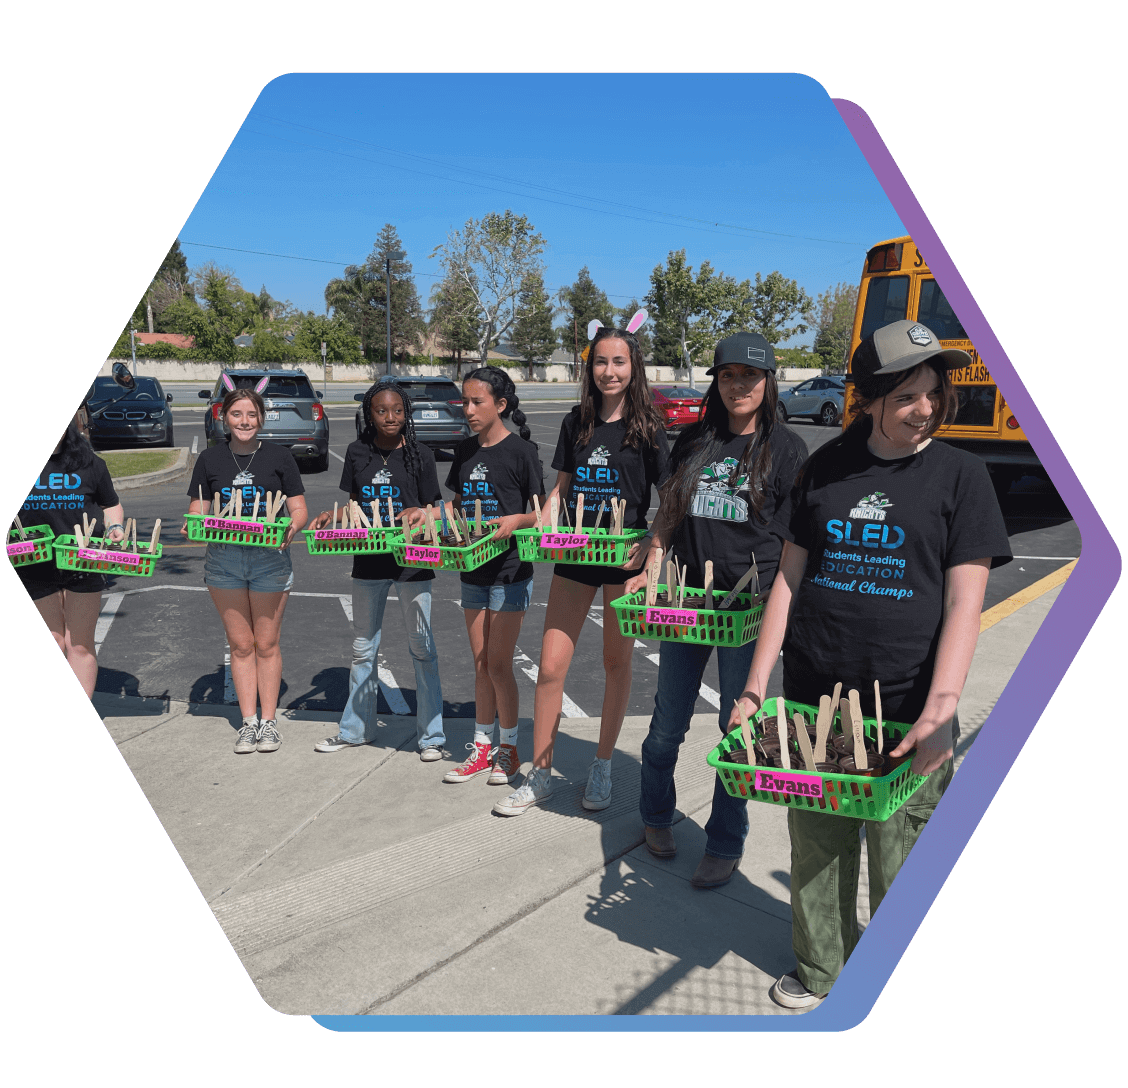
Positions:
(1024, 596)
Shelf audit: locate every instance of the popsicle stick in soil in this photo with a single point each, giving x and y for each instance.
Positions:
(391, 513)
(215, 505)
(254, 509)
(599, 514)
(834, 703)
(822, 728)
(478, 515)
(554, 513)
(681, 586)
(877, 707)
(454, 526)
(334, 525)
(745, 732)
(671, 581)
(20, 528)
(579, 512)
(859, 735)
(781, 732)
(745, 578)
(709, 584)
(804, 741)
(537, 511)
(133, 533)
(78, 538)
(364, 519)
(155, 538)
(652, 579)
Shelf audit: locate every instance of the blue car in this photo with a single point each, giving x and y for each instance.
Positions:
(820, 399)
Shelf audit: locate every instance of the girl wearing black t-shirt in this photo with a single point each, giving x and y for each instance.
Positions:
(503, 471)
(729, 475)
(612, 446)
(387, 466)
(890, 539)
(74, 481)
(250, 585)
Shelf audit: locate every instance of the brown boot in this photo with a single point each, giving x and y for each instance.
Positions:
(660, 842)
(713, 872)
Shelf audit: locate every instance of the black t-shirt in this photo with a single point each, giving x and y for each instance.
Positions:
(59, 497)
(879, 536)
(270, 468)
(505, 477)
(373, 480)
(720, 523)
(605, 469)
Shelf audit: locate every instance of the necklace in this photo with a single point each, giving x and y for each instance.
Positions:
(381, 452)
(241, 470)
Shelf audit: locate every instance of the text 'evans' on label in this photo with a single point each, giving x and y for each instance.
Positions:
(802, 785)
(341, 534)
(227, 523)
(125, 558)
(564, 540)
(416, 554)
(680, 616)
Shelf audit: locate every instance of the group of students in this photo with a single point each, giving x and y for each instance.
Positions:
(873, 553)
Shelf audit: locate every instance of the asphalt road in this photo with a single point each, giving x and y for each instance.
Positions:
(188, 393)
(163, 639)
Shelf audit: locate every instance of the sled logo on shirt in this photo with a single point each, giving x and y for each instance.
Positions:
(383, 476)
(716, 498)
(478, 472)
(872, 507)
(599, 456)
(244, 479)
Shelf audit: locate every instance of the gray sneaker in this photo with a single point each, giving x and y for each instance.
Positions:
(269, 737)
(598, 793)
(248, 737)
(335, 744)
(537, 788)
(431, 753)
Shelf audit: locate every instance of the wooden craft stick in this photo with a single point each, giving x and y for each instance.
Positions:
(756, 574)
(133, 532)
(877, 707)
(478, 514)
(20, 528)
(203, 508)
(279, 502)
(709, 584)
(804, 739)
(599, 514)
(364, 519)
(781, 731)
(239, 503)
(671, 582)
(745, 578)
(391, 513)
(215, 505)
(454, 526)
(822, 728)
(155, 538)
(834, 703)
(554, 512)
(652, 579)
(859, 735)
(78, 539)
(579, 512)
(681, 586)
(745, 732)
(537, 511)
(254, 509)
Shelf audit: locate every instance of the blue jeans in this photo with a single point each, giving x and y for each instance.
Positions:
(369, 598)
(680, 668)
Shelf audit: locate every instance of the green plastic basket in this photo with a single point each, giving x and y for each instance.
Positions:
(469, 557)
(254, 534)
(735, 626)
(351, 541)
(35, 549)
(591, 546)
(105, 557)
(843, 794)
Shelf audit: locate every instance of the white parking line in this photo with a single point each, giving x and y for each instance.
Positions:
(568, 709)
(342, 460)
(106, 616)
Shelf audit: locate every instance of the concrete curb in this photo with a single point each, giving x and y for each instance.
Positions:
(143, 479)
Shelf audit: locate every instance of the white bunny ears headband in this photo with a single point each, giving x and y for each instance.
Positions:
(633, 325)
(229, 385)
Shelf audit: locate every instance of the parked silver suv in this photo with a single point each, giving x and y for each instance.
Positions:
(295, 417)
(436, 411)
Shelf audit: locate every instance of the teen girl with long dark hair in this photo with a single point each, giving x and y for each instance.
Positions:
(386, 465)
(502, 470)
(890, 539)
(611, 447)
(729, 475)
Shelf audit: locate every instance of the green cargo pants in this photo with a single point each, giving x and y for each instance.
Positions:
(825, 856)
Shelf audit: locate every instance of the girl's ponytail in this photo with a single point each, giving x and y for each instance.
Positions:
(502, 387)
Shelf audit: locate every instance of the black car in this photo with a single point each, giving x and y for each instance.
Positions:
(295, 417)
(436, 411)
(140, 417)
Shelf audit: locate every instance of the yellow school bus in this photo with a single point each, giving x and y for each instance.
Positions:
(897, 284)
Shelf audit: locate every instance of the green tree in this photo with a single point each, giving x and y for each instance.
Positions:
(454, 323)
(642, 334)
(834, 322)
(532, 336)
(341, 344)
(490, 258)
(582, 302)
(776, 300)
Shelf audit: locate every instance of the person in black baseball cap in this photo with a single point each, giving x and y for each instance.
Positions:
(747, 348)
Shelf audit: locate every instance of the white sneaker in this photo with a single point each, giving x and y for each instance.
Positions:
(537, 788)
(598, 793)
(431, 753)
(248, 737)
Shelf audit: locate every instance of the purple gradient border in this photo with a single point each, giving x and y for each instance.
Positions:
(987, 762)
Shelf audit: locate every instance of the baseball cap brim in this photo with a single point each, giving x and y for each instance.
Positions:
(720, 366)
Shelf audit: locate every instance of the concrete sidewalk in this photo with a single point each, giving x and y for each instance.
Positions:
(359, 882)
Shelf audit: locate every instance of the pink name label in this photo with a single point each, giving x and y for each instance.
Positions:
(125, 558)
(804, 785)
(680, 616)
(341, 534)
(564, 540)
(227, 523)
(22, 548)
(416, 554)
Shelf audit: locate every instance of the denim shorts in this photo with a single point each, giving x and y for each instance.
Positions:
(515, 597)
(261, 570)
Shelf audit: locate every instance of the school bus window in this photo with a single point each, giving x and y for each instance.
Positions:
(887, 300)
(935, 312)
(884, 258)
(977, 406)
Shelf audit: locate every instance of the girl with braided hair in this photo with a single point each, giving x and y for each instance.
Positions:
(501, 470)
(387, 464)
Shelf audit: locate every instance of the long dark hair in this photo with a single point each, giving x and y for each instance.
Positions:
(75, 452)
(639, 412)
(501, 386)
(411, 458)
(700, 444)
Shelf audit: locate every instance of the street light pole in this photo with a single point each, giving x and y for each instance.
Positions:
(395, 255)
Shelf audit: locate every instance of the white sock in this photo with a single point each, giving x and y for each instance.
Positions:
(483, 734)
(509, 736)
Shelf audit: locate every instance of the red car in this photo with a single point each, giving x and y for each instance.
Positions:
(680, 404)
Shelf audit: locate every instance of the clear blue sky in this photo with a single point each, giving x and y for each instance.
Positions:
(752, 173)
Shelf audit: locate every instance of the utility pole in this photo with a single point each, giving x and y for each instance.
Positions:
(133, 347)
(395, 255)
